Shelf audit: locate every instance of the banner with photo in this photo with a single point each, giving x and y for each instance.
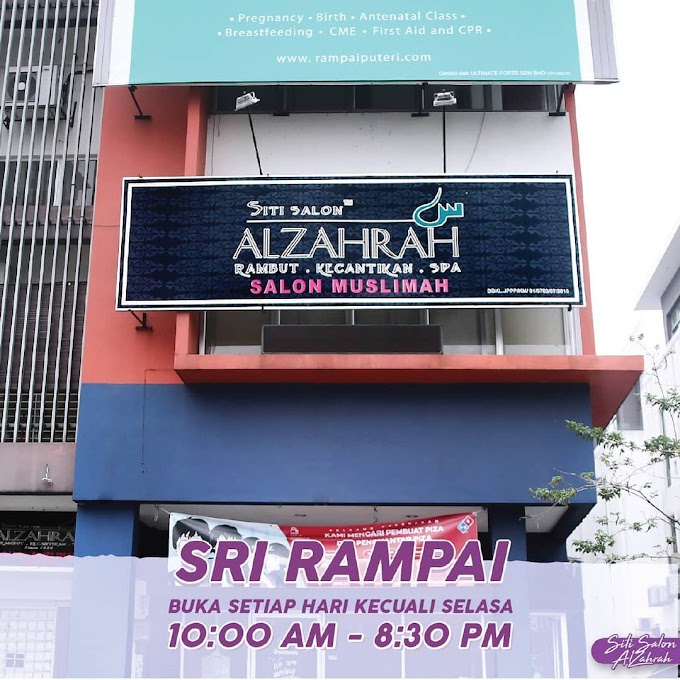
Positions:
(458, 529)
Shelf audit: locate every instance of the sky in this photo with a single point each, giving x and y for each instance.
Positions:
(630, 153)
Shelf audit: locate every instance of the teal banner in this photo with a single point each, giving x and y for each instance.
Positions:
(307, 41)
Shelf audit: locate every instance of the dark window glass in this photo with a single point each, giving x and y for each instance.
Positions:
(406, 98)
(314, 317)
(523, 98)
(388, 97)
(320, 98)
(387, 316)
(235, 332)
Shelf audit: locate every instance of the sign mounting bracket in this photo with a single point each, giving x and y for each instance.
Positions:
(141, 115)
(558, 111)
(143, 325)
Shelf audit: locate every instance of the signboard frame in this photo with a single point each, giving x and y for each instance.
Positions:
(124, 303)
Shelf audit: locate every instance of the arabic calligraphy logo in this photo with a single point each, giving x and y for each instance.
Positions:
(444, 212)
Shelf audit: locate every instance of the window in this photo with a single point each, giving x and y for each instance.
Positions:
(549, 654)
(237, 332)
(319, 98)
(629, 416)
(464, 331)
(31, 630)
(14, 660)
(533, 331)
(286, 99)
(387, 98)
(387, 317)
(673, 319)
(524, 98)
(309, 317)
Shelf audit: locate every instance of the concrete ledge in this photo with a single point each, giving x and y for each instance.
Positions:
(23, 468)
(610, 378)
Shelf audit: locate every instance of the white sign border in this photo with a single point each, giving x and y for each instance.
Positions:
(129, 183)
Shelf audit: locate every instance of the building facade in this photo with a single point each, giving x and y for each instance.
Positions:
(49, 143)
(208, 368)
(188, 410)
(192, 409)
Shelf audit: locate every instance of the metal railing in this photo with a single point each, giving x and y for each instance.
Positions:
(49, 140)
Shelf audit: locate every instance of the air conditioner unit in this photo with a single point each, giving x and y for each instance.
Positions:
(32, 85)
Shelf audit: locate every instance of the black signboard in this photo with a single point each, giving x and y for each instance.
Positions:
(277, 243)
(37, 539)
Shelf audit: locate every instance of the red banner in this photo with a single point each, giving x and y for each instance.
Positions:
(458, 529)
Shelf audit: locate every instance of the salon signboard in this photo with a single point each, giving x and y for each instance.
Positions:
(282, 243)
(37, 539)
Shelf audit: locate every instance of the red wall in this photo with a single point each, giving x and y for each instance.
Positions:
(114, 351)
(587, 326)
(172, 143)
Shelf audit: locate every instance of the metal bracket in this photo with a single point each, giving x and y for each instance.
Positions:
(141, 115)
(421, 113)
(143, 325)
(558, 111)
(63, 102)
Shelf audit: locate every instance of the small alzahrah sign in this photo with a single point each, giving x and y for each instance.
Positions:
(42, 539)
(277, 243)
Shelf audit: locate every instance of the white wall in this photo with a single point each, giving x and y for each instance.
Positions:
(397, 143)
(629, 148)
(356, 143)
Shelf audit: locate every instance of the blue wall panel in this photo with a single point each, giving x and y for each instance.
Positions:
(410, 444)
(106, 529)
